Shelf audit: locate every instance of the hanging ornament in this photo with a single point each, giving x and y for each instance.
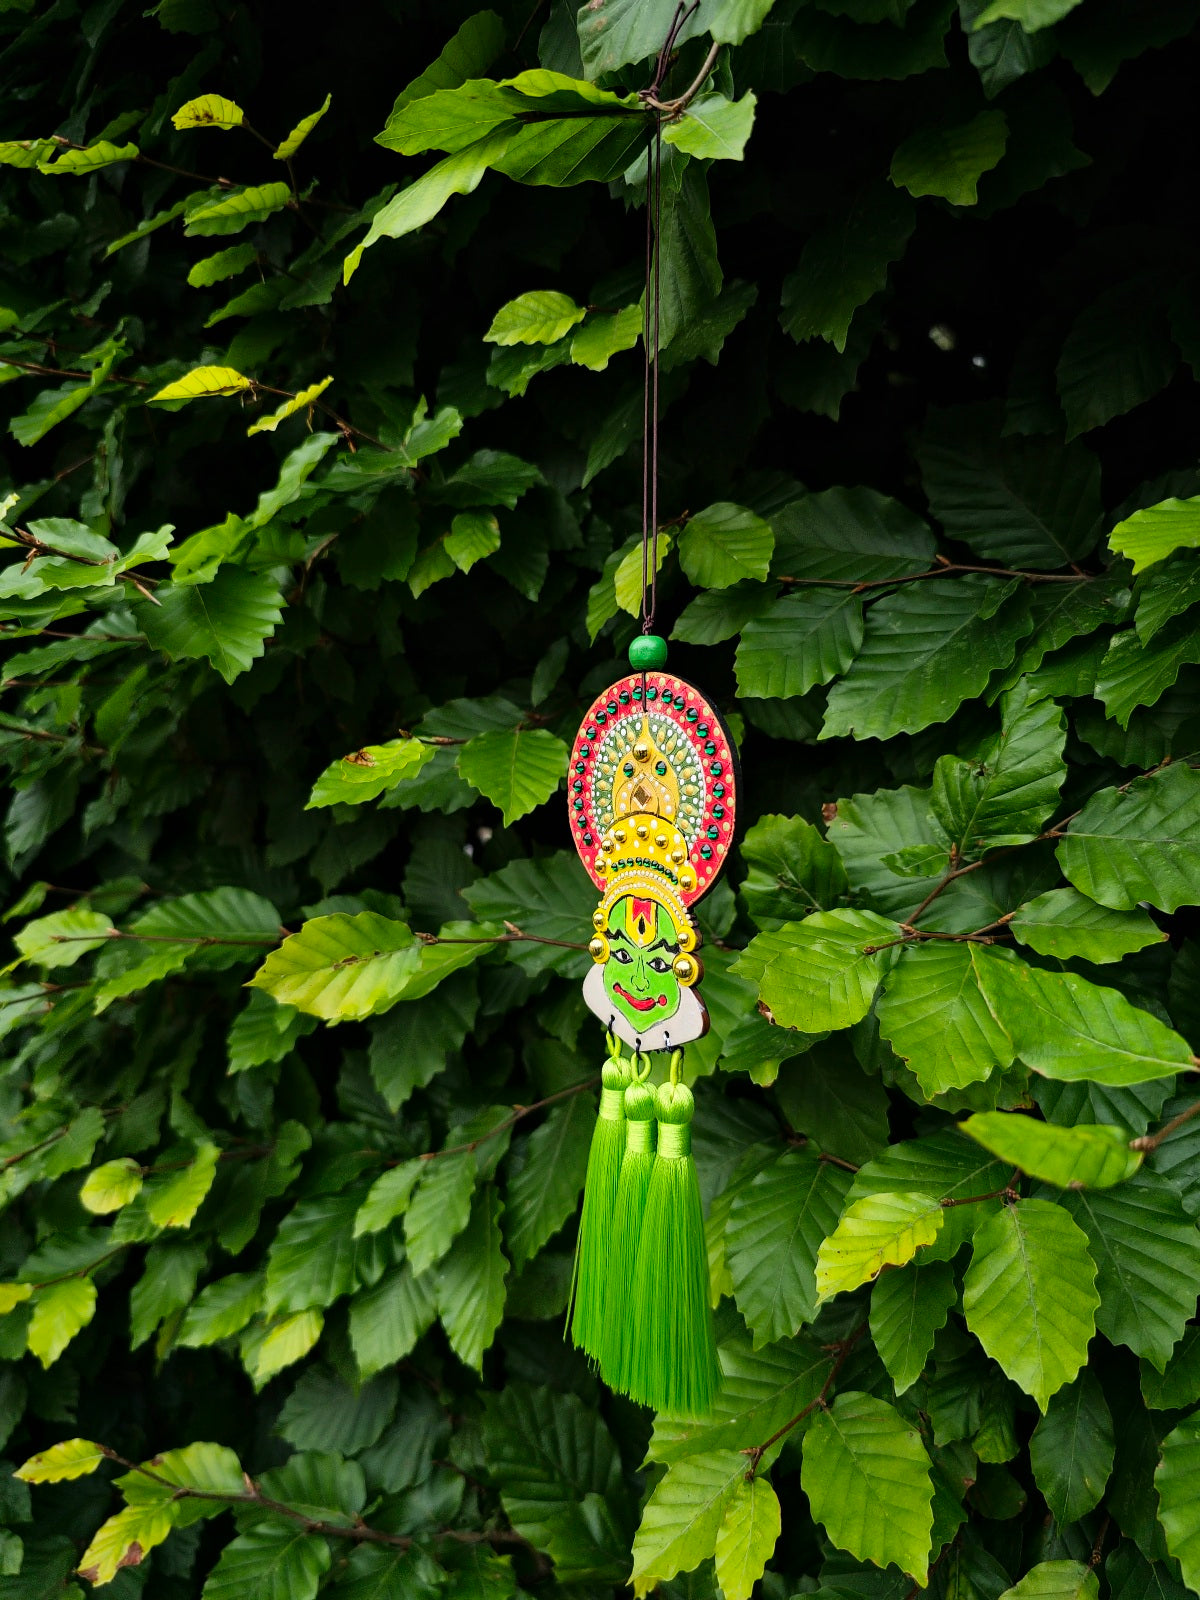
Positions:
(652, 799)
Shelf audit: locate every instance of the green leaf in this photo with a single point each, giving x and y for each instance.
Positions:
(517, 770)
(202, 275)
(203, 1466)
(1065, 1027)
(470, 1282)
(949, 162)
(312, 1258)
(866, 1475)
(1024, 502)
(804, 639)
(269, 1348)
(1152, 533)
(111, 1186)
(750, 1526)
(926, 650)
(604, 335)
(473, 536)
(542, 316)
(1177, 1479)
(467, 54)
(776, 1226)
(713, 127)
(387, 1320)
(221, 1309)
(273, 1561)
(61, 938)
(369, 772)
(1135, 673)
(816, 535)
(73, 1458)
(1165, 592)
(559, 1476)
(936, 1014)
(388, 1197)
(236, 209)
(1056, 1580)
(1031, 14)
(328, 1412)
(173, 1201)
(1064, 923)
(1006, 793)
(878, 1231)
(341, 966)
(617, 32)
(724, 544)
(90, 159)
(551, 897)
(302, 130)
(1178, 1385)
(545, 1183)
(845, 263)
(1118, 354)
(1140, 843)
(821, 973)
(60, 1311)
(908, 1307)
(1090, 1155)
(1071, 1449)
(1145, 1246)
(209, 111)
(793, 871)
(228, 620)
(682, 1518)
(690, 272)
(1029, 1295)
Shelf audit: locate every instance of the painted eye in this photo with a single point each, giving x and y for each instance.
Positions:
(623, 957)
(659, 965)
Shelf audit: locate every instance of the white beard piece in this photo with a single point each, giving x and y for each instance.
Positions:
(688, 1022)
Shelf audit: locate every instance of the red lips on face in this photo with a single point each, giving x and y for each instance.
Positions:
(639, 1003)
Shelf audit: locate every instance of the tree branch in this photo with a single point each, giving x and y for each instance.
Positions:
(841, 1350)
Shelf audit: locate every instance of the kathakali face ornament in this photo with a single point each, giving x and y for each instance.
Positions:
(652, 799)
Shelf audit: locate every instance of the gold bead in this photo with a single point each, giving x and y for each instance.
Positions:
(641, 752)
(642, 831)
(598, 917)
(620, 835)
(660, 840)
(598, 949)
(606, 845)
(678, 855)
(684, 968)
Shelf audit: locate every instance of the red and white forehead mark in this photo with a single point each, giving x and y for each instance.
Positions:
(702, 757)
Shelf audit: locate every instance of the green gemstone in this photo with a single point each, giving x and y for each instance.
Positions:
(647, 650)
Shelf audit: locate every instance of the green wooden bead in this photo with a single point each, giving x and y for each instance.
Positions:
(647, 650)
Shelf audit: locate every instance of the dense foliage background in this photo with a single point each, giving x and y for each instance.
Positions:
(302, 1248)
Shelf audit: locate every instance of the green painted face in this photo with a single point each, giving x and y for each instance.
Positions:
(638, 977)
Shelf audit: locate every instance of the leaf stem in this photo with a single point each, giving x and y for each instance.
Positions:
(518, 1112)
(1151, 1141)
(841, 1350)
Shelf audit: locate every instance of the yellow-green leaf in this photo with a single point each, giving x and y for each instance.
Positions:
(202, 382)
(341, 967)
(90, 159)
(268, 1349)
(12, 1295)
(366, 773)
(111, 1186)
(516, 769)
(301, 131)
(124, 1541)
(173, 1203)
(880, 1230)
(542, 316)
(209, 111)
(73, 1458)
(60, 1310)
(298, 402)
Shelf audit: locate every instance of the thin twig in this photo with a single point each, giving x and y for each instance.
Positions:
(518, 1112)
(1151, 1141)
(842, 1349)
(357, 1532)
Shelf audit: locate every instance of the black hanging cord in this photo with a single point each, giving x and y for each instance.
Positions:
(651, 318)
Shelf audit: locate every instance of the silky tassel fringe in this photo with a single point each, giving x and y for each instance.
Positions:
(671, 1358)
(628, 1212)
(590, 1280)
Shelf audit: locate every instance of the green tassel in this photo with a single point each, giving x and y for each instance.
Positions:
(628, 1211)
(590, 1278)
(672, 1358)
